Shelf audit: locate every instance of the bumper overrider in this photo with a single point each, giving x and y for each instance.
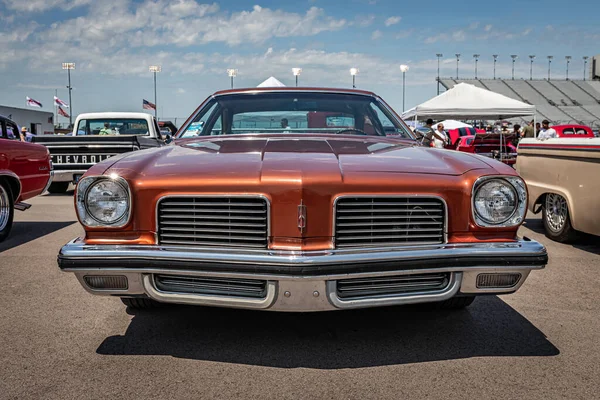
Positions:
(302, 281)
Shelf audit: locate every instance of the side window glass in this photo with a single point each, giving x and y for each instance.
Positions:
(12, 131)
(82, 128)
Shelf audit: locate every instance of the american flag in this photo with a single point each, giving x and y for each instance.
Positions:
(146, 105)
(60, 103)
(63, 112)
(33, 103)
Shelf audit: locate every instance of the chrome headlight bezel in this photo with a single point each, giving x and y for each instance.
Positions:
(82, 191)
(517, 217)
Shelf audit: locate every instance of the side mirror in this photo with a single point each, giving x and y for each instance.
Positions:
(168, 138)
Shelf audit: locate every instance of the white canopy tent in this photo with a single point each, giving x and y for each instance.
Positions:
(454, 124)
(271, 82)
(467, 101)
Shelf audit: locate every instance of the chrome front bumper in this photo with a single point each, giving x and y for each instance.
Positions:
(301, 281)
(67, 175)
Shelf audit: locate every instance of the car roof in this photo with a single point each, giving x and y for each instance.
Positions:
(114, 115)
(285, 89)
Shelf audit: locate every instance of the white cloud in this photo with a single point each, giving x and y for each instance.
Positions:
(474, 25)
(186, 23)
(526, 31)
(180, 90)
(392, 21)
(43, 5)
(488, 28)
(376, 35)
(363, 21)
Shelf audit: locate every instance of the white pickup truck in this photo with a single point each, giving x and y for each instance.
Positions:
(96, 137)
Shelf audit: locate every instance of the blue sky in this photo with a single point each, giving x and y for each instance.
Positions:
(113, 42)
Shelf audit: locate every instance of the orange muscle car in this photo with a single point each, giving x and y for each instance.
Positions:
(300, 199)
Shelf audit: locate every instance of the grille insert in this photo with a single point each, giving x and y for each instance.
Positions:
(230, 287)
(213, 221)
(389, 221)
(391, 285)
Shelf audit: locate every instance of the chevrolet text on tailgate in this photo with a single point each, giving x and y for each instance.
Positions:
(95, 138)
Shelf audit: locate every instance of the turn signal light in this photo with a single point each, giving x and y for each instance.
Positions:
(102, 282)
(487, 281)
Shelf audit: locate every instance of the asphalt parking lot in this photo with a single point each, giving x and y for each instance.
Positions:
(58, 342)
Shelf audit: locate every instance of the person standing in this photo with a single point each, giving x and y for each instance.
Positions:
(528, 131)
(547, 132)
(440, 138)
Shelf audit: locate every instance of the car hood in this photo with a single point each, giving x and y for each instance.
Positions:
(266, 158)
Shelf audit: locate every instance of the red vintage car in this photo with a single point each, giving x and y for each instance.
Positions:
(299, 199)
(25, 172)
(573, 131)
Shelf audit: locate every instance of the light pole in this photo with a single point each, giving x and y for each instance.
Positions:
(549, 63)
(296, 72)
(403, 68)
(568, 58)
(438, 55)
(531, 57)
(514, 58)
(585, 58)
(457, 60)
(495, 59)
(353, 72)
(154, 69)
(232, 74)
(476, 57)
(69, 66)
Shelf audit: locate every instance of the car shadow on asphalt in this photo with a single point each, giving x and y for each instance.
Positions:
(331, 340)
(23, 232)
(585, 242)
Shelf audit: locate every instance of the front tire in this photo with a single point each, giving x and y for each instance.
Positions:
(557, 221)
(58, 187)
(7, 211)
(139, 303)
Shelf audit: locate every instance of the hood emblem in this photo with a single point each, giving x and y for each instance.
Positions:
(301, 216)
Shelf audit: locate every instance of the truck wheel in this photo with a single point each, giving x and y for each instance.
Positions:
(58, 187)
(7, 211)
(139, 303)
(455, 303)
(557, 223)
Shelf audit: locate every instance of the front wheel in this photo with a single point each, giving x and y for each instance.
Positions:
(7, 211)
(557, 223)
(58, 187)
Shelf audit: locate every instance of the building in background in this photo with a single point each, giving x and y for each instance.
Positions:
(36, 122)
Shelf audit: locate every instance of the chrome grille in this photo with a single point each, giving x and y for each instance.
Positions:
(252, 288)
(391, 285)
(213, 221)
(389, 221)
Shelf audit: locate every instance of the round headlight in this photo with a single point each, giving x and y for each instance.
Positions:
(107, 201)
(495, 201)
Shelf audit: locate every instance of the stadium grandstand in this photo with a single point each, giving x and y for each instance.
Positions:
(559, 101)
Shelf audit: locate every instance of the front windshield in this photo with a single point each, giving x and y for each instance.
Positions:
(112, 126)
(295, 113)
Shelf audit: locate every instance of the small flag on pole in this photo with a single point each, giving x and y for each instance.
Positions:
(63, 112)
(146, 105)
(60, 103)
(33, 103)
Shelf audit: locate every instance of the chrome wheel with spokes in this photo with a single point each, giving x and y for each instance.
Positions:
(557, 222)
(6, 211)
(557, 212)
